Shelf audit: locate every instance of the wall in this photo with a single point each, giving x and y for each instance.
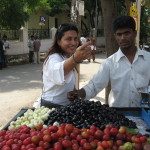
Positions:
(17, 47)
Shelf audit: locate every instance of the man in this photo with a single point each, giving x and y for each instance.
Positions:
(31, 48)
(37, 45)
(127, 70)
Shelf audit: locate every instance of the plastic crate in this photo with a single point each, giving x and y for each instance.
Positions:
(146, 115)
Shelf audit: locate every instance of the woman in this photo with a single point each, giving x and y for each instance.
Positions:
(59, 68)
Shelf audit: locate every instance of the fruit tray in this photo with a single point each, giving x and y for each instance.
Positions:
(143, 114)
(19, 114)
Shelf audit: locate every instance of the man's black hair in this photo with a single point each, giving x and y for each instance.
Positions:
(124, 22)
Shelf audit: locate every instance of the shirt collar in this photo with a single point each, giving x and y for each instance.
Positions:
(119, 54)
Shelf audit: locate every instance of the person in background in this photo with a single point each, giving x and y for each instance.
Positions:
(37, 45)
(59, 68)
(93, 48)
(127, 70)
(1, 55)
(6, 46)
(82, 39)
(31, 48)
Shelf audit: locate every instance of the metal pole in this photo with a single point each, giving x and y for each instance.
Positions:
(138, 22)
(96, 21)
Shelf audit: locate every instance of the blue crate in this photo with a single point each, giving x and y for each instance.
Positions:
(146, 116)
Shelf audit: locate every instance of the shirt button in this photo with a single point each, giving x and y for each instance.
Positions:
(132, 91)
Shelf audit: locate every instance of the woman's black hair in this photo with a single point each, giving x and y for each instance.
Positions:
(55, 48)
(124, 22)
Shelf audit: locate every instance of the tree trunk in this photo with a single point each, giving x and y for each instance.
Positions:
(109, 14)
(127, 4)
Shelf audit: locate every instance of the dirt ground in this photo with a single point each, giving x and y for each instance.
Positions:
(20, 86)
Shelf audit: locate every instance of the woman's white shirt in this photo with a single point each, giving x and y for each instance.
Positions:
(56, 85)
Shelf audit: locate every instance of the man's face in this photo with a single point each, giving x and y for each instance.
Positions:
(125, 37)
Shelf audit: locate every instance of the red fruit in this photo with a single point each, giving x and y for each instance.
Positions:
(122, 129)
(137, 146)
(67, 137)
(39, 148)
(92, 131)
(92, 127)
(76, 131)
(93, 144)
(47, 138)
(110, 143)
(79, 137)
(66, 143)
(23, 136)
(143, 139)
(53, 128)
(74, 141)
(15, 147)
(69, 127)
(85, 134)
(60, 132)
(87, 146)
(47, 131)
(58, 147)
(35, 139)
(137, 140)
(120, 136)
(41, 143)
(62, 125)
(73, 135)
(99, 148)
(119, 143)
(91, 138)
(10, 142)
(39, 126)
(54, 137)
(75, 146)
(2, 133)
(98, 134)
(107, 131)
(105, 144)
(106, 137)
(27, 141)
(6, 148)
(128, 137)
(83, 141)
(132, 138)
(46, 145)
(30, 146)
(113, 131)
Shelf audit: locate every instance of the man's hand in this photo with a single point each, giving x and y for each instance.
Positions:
(72, 95)
(76, 94)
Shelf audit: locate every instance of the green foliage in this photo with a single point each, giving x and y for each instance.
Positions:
(58, 6)
(144, 24)
(14, 13)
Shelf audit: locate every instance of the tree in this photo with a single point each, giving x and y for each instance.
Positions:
(109, 12)
(145, 24)
(14, 13)
(59, 6)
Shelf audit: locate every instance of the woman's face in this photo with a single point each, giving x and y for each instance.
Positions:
(69, 42)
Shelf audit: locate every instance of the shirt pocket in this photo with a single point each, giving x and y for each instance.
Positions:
(141, 81)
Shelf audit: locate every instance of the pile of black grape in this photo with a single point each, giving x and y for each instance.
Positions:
(84, 113)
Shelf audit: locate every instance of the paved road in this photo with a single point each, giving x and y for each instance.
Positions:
(20, 86)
